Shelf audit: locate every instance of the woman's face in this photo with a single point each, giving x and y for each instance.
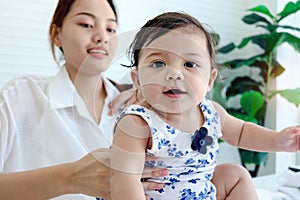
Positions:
(88, 37)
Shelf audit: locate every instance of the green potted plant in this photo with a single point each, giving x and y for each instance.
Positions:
(256, 93)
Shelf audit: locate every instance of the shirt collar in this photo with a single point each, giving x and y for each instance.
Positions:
(111, 91)
(62, 92)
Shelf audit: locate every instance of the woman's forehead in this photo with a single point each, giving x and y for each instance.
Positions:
(99, 8)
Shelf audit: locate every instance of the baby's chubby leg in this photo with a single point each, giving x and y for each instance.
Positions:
(233, 182)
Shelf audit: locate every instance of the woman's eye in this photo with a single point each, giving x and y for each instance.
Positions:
(111, 30)
(191, 64)
(86, 25)
(158, 64)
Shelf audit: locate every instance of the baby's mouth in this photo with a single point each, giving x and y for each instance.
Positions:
(174, 91)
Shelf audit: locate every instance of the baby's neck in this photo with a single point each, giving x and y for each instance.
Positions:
(186, 121)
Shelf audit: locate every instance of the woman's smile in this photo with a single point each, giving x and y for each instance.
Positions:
(98, 52)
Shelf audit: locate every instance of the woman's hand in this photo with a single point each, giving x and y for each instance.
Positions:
(126, 98)
(91, 175)
(152, 173)
(123, 99)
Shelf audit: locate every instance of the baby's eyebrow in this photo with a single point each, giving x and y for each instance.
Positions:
(155, 54)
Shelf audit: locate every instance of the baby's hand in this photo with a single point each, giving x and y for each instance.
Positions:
(289, 139)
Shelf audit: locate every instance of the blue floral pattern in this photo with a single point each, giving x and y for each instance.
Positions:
(189, 157)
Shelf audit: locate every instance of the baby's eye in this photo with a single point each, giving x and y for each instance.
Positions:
(158, 64)
(191, 64)
(86, 25)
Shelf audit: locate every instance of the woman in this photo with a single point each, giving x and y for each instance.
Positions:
(47, 124)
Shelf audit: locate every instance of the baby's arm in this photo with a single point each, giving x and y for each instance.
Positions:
(128, 158)
(254, 137)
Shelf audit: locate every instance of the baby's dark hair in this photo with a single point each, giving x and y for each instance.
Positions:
(161, 25)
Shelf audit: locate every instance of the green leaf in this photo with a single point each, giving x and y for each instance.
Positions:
(262, 9)
(253, 157)
(270, 42)
(228, 48)
(261, 40)
(254, 18)
(292, 40)
(275, 39)
(240, 85)
(246, 118)
(289, 27)
(239, 113)
(251, 102)
(260, 115)
(237, 63)
(233, 64)
(270, 27)
(289, 9)
(244, 42)
(292, 95)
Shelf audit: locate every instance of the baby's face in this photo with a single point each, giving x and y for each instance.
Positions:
(174, 70)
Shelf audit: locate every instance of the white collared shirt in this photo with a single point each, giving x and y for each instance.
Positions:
(43, 122)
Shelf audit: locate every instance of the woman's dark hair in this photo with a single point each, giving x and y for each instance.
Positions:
(61, 11)
(161, 25)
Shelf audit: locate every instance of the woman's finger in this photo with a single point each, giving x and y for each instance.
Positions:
(121, 100)
(154, 172)
(152, 185)
(150, 158)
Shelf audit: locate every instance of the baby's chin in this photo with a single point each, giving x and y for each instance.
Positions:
(166, 110)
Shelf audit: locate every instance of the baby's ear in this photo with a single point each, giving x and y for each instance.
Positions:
(212, 79)
(135, 78)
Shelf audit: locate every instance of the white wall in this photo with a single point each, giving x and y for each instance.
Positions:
(24, 47)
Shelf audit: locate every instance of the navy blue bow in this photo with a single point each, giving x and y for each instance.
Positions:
(201, 140)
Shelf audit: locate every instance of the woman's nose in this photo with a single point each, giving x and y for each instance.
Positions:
(100, 36)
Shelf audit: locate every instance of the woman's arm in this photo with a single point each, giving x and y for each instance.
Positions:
(89, 175)
(128, 158)
(35, 184)
(85, 176)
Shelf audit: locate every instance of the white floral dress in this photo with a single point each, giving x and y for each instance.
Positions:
(190, 171)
